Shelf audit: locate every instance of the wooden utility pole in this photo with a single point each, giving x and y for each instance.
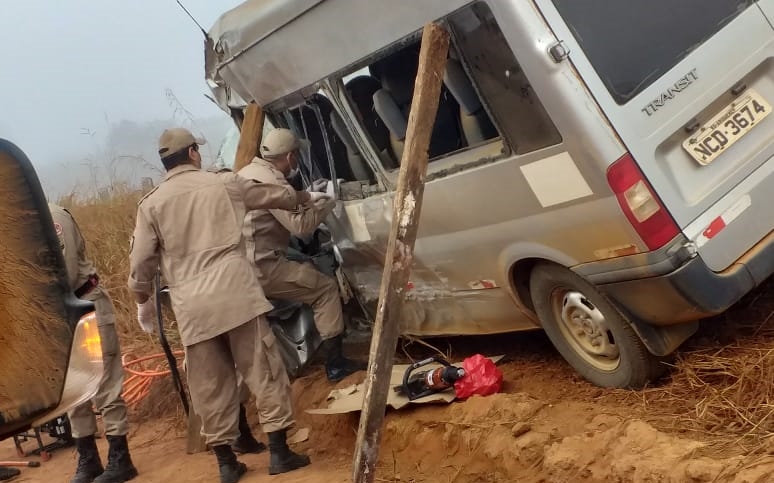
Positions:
(400, 248)
(249, 136)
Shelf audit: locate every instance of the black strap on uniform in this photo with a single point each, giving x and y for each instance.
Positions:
(167, 350)
(87, 286)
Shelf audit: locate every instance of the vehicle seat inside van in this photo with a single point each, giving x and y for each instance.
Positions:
(361, 90)
(474, 120)
(387, 107)
(392, 103)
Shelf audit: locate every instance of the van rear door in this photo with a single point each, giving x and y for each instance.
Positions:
(688, 87)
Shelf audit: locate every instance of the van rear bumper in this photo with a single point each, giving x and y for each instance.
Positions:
(675, 285)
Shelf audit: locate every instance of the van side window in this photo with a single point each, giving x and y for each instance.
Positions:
(483, 89)
(633, 44)
(381, 96)
(513, 103)
(318, 122)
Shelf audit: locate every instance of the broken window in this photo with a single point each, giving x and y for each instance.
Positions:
(481, 74)
(381, 99)
(331, 152)
(514, 105)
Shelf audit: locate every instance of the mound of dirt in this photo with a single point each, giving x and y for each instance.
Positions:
(516, 436)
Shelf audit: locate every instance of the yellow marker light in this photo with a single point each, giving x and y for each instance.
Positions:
(91, 342)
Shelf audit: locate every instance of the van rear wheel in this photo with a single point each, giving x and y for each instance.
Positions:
(588, 331)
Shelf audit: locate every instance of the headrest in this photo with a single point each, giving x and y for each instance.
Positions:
(461, 88)
(391, 115)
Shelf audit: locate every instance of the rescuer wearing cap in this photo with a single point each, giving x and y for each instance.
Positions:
(268, 234)
(190, 226)
(84, 281)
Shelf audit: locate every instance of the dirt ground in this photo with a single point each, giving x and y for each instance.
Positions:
(547, 424)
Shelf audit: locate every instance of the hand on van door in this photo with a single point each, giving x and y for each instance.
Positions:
(315, 196)
(330, 188)
(318, 185)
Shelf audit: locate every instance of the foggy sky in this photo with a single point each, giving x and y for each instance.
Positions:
(75, 66)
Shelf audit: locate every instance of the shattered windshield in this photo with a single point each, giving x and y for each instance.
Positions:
(631, 44)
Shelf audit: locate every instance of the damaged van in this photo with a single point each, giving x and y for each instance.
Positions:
(51, 355)
(600, 170)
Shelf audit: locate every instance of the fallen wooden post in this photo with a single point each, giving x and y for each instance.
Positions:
(400, 248)
(250, 136)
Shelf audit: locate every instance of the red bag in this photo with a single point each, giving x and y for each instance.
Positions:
(481, 378)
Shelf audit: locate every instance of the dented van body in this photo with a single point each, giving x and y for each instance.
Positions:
(583, 177)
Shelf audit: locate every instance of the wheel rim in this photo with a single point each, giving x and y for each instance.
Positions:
(586, 329)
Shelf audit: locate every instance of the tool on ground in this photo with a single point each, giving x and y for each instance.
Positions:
(420, 384)
(167, 350)
(58, 428)
(482, 378)
(22, 464)
(8, 473)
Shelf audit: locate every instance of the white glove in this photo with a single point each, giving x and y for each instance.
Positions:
(318, 185)
(330, 190)
(146, 315)
(315, 196)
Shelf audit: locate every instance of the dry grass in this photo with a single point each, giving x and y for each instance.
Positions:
(107, 223)
(722, 385)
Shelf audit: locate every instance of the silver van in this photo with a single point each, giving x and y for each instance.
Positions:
(601, 170)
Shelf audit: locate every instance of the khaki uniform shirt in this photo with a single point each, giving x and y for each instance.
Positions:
(267, 232)
(79, 267)
(191, 226)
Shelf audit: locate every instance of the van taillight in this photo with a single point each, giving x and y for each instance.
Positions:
(641, 206)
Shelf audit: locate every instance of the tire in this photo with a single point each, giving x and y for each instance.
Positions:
(588, 331)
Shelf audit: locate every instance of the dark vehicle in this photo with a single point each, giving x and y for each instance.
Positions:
(51, 357)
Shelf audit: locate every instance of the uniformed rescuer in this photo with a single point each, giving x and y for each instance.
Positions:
(84, 281)
(190, 226)
(268, 232)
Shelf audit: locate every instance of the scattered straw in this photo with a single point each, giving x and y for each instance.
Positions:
(724, 392)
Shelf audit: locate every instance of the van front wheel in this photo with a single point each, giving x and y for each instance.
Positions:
(588, 331)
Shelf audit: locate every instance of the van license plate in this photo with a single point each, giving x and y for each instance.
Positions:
(726, 128)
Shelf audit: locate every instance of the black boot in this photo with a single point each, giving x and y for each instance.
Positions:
(119, 466)
(89, 464)
(231, 470)
(281, 458)
(246, 442)
(8, 473)
(337, 367)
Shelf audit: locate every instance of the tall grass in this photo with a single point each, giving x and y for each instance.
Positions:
(106, 220)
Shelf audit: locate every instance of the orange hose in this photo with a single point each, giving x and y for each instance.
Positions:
(137, 385)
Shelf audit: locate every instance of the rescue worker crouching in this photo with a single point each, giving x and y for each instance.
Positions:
(268, 232)
(82, 277)
(190, 227)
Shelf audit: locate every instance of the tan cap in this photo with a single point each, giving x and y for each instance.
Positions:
(279, 141)
(175, 140)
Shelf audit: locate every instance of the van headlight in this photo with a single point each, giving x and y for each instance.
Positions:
(84, 369)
